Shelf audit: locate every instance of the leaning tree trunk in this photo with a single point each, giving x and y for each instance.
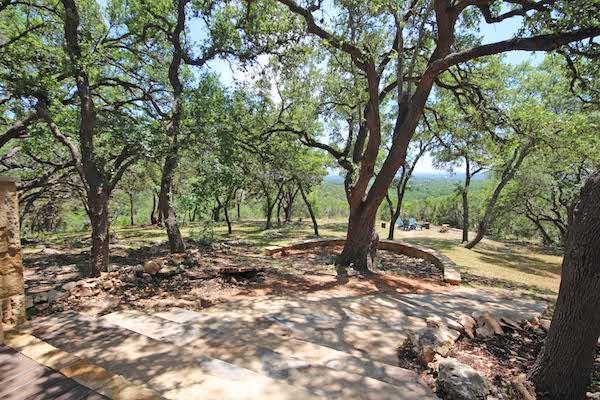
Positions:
(562, 370)
(465, 205)
(310, 210)
(361, 240)
(507, 175)
(98, 200)
(227, 219)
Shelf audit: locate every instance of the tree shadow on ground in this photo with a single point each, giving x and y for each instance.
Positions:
(520, 262)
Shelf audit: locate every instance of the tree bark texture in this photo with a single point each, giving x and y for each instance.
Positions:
(562, 370)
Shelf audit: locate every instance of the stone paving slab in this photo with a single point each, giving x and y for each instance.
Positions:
(248, 353)
(369, 326)
(142, 359)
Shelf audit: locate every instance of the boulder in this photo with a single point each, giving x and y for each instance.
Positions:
(457, 381)
(152, 267)
(434, 339)
(487, 325)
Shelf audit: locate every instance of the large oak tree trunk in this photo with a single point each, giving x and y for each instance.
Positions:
(562, 370)
(361, 240)
(98, 201)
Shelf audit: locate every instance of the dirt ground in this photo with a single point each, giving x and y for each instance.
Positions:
(52, 268)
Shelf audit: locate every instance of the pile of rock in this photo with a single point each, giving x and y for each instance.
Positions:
(433, 347)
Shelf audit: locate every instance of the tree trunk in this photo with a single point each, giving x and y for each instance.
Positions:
(310, 210)
(176, 244)
(546, 238)
(229, 230)
(131, 209)
(361, 240)
(465, 202)
(269, 223)
(393, 218)
(279, 214)
(153, 219)
(216, 213)
(507, 175)
(98, 200)
(562, 370)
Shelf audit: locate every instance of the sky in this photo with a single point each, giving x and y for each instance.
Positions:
(490, 32)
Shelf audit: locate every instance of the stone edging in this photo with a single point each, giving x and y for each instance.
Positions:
(447, 266)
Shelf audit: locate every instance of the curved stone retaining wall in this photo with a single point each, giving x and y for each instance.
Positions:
(447, 266)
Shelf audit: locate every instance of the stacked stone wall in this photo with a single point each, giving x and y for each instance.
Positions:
(12, 305)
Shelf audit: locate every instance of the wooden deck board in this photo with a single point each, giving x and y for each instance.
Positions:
(21, 378)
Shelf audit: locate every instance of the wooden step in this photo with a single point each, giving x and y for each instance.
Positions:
(172, 371)
(59, 368)
(318, 371)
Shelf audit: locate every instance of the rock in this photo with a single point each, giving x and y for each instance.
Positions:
(129, 277)
(113, 268)
(138, 269)
(178, 258)
(108, 284)
(50, 252)
(152, 267)
(457, 381)
(40, 297)
(170, 270)
(487, 325)
(41, 288)
(28, 302)
(56, 295)
(69, 286)
(468, 324)
(431, 340)
(510, 324)
(82, 291)
(545, 324)
(592, 396)
(42, 307)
